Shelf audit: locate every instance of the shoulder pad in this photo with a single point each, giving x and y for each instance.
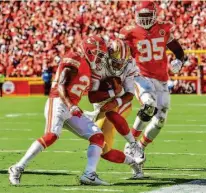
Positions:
(72, 59)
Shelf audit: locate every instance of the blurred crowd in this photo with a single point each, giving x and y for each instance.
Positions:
(34, 35)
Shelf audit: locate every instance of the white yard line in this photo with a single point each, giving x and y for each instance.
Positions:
(196, 186)
(8, 129)
(93, 189)
(109, 172)
(61, 151)
(185, 131)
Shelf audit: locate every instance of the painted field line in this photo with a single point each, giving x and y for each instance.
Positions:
(93, 189)
(196, 186)
(114, 173)
(185, 125)
(12, 115)
(15, 129)
(31, 139)
(61, 151)
(185, 131)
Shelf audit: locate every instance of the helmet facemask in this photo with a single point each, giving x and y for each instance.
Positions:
(116, 67)
(119, 57)
(146, 18)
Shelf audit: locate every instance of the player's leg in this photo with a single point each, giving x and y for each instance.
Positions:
(85, 128)
(54, 123)
(110, 154)
(146, 95)
(117, 118)
(157, 122)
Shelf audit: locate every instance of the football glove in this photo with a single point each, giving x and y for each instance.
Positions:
(176, 66)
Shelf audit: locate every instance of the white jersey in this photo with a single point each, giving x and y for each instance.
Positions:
(127, 78)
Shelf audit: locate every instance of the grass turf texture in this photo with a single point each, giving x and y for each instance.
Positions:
(176, 156)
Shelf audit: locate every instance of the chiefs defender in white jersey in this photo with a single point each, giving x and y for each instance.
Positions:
(112, 103)
(71, 81)
(149, 40)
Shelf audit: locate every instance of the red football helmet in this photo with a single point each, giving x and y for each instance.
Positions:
(95, 51)
(146, 14)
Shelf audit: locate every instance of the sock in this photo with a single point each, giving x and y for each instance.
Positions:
(121, 125)
(144, 141)
(34, 149)
(93, 155)
(151, 132)
(129, 137)
(138, 127)
(136, 133)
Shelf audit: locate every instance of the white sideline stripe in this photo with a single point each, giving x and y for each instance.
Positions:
(196, 186)
(60, 151)
(92, 189)
(117, 173)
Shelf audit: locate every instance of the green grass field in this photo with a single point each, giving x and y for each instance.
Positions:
(178, 155)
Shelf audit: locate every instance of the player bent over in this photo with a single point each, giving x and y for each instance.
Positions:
(112, 92)
(149, 40)
(71, 81)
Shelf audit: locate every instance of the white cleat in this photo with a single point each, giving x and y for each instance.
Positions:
(135, 151)
(15, 174)
(92, 179)
(137, 171)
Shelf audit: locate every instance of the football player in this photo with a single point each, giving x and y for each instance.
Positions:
(113, 104)
(149, 40)
(71, 81)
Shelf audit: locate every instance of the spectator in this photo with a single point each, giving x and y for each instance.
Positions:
(47, 78)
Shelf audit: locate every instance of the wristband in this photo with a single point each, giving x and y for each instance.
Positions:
(111, 93)
(119, 101)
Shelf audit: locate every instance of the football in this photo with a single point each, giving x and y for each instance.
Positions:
(110, 83)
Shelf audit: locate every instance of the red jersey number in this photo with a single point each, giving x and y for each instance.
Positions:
(150, 49)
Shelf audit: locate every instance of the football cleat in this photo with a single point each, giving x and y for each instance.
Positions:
(92, 179)
(135, 151)
(15, 174)
(137, 171)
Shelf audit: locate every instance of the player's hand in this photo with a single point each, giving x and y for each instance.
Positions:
(109, 106)
(75, 111)
(176, 66)
(116, 87)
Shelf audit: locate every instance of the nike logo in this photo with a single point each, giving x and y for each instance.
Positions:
(92, 179)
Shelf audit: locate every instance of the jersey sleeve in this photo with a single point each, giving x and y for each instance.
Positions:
(71, 59)
(169, 28)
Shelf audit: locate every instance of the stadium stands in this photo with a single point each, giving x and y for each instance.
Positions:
(35, 35)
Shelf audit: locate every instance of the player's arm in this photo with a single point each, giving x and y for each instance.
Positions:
(67, 74)
(176, 48)
(128, 86)
(96, 95)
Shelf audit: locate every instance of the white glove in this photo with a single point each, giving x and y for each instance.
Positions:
(75, 111)
(175, 66)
